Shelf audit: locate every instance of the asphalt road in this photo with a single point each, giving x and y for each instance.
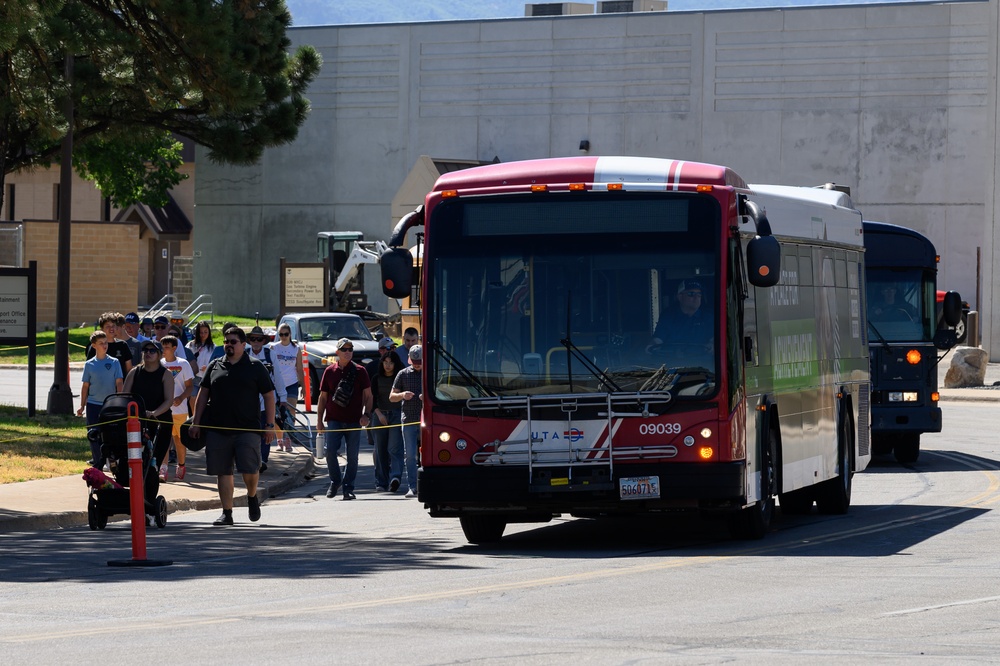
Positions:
(912, 571)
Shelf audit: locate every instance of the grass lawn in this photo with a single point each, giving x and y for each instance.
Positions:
(40, 447)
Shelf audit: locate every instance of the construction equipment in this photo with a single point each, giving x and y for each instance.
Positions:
(348, 253)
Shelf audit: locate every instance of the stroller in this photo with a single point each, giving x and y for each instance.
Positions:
(113, 438)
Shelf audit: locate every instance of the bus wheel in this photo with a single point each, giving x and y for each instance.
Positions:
(907, 448)
(834, 496)
(754, 521)
(483, 529)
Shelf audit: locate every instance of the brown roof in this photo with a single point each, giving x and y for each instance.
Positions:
(166, 223)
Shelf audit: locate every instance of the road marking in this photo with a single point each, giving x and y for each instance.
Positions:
(967, 602)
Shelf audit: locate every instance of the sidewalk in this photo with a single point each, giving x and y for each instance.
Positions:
(62, 501)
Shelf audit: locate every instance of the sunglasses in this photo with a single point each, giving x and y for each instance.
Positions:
(232, 342)
(350, 349)
(150, 351)
(255, 338)
(284, 334)
(159, 326)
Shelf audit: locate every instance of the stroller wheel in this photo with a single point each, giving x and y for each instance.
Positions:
(96, 518)
(161, 512)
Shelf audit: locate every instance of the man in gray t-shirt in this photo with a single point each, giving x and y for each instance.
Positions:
(408, 389)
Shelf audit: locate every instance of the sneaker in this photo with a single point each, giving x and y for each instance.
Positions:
(224, 519)
(164, 471)
(253, 506)
(181, 471)
(332, 490)
(263, 468)
(350, 496)
(379, 489)
(394, 485)
(410, 493)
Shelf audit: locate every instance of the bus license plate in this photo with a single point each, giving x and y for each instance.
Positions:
(639, 487)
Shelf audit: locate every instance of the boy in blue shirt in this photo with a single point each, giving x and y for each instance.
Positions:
(102, 376)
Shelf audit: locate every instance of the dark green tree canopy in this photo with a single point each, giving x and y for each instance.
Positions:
(218, 72)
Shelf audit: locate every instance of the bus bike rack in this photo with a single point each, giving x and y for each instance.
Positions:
(523, 451)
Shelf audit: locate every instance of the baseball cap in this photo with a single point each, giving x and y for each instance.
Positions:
(386, 343)
(146, 320)
(131, 318)
(343, 342)
(161, 320)
(416, 353)
(154, 344)
(688, 285)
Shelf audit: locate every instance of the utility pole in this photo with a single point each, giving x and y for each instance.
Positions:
(61, 395)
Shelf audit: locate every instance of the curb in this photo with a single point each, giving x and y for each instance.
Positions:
(46, 521)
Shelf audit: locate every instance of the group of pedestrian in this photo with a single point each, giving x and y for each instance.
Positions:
(386, 399)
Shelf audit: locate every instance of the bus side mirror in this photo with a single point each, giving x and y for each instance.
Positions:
(763, 261)
(952, 309)
(397, 272)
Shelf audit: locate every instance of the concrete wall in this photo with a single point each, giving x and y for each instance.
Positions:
(891, 100)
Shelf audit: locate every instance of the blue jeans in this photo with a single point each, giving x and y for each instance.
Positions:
(411, 442)
(337, 433)
(388, 454)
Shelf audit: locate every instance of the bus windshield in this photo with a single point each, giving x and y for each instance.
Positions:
(901, 304)
(565, 294)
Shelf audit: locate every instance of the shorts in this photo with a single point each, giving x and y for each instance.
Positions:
(179, 420)
(222, 448)
(292, 391)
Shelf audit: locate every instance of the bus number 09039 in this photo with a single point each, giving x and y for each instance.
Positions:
(659, 429)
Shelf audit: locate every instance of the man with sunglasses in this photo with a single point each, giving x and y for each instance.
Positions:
(686, 324)
(227, 414)
(345, 401)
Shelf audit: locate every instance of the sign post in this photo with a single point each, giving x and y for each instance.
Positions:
(17, 316)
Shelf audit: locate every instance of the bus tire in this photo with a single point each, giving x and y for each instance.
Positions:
(907, 448)
(754, 521)
(833, 497)
(481, 529)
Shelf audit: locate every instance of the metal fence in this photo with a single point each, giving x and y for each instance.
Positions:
(11, 244)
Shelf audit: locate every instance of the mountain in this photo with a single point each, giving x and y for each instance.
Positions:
(339, 12)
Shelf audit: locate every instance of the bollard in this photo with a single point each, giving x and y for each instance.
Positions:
(136, 492)
(306, 386)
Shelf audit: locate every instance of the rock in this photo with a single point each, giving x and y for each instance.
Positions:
(968, 368)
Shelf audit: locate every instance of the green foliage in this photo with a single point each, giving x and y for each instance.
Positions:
(218, 72)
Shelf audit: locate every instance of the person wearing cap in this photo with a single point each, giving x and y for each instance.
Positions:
(146, 329)
(256, 337)
(160, 326)
(686, 323)
(152, 382)
(345, 401)
(408, 389)
(227, 414)
(132, 338)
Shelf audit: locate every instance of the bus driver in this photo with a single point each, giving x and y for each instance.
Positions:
(685, 324)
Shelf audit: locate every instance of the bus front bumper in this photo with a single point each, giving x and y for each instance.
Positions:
(454, 491)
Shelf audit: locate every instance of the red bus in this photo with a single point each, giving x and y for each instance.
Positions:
(621, 335)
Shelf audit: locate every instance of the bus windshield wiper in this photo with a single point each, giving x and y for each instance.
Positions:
(461, 369)
(876, 332)
(602, 377)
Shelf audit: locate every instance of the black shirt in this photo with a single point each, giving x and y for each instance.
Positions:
(117, 349)
(234, 391)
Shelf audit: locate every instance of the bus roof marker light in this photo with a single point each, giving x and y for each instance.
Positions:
(577, 187)
(449, 194)
(614, 186)
(704, 188)
(539, 188)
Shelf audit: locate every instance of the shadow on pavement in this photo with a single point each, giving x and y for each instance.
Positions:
(932, 461)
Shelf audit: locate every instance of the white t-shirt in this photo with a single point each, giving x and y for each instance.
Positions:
(181, 370)
(279, 391)
(285, 359)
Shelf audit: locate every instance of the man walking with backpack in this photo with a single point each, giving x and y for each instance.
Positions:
(345, 401)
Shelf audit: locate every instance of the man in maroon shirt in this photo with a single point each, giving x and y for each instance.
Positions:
(345, 401)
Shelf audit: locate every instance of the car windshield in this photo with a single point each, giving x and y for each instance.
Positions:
(333, 328)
